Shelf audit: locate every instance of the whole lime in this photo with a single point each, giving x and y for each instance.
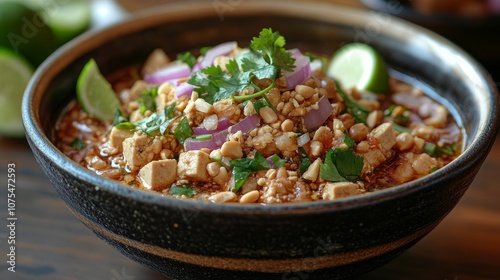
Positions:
(25, 32)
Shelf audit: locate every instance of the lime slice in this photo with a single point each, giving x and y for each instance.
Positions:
(359, 65)
(24, 31)
(95, 94)
(16, 72)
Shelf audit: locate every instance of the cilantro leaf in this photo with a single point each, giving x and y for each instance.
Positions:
(78, 144)
(348, 163)
(261, 103)
(265, 60)
(243, 167)
(341, 165)
(182, 190)
(183, 131)
(272, 46)
(348, 141)
(152, 124)
(213, 84)
(187, 58)
(147, 100)
(328, 170)
(278, 162)
(119, 118)
(305, 161)
(254, 62)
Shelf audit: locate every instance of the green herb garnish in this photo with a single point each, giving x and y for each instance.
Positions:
(119, 118)
(305, 161)
(265, 60)
(243, 167)
(433, 150)
(182, 190)
(183, 131)
(400, 119)
(278, 162)
(147, 100)
(154, 123)
(187, 58)
(400, 129)
(341, 165)
(348, 141)
(78, 144)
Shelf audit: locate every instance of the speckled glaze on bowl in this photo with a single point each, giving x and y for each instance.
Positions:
(322, 240)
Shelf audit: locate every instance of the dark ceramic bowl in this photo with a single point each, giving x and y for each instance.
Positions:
(321, 240)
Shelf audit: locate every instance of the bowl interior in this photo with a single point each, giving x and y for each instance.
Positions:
(422, 55)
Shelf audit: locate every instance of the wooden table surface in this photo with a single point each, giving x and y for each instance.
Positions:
(52, 244)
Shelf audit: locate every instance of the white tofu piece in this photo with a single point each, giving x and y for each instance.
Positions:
(159, 174)
(423, 164)
(193, 165)
(117, 136)
(136, 150)
(340, 189)
(385, 136)
(373, 158)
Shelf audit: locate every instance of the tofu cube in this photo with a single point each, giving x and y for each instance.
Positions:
(117, 136)
(136, 150)
(159, 174)
(193, 165)
(385, 136)
(340, 189)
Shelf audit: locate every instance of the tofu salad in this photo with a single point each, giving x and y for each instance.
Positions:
(257, 124)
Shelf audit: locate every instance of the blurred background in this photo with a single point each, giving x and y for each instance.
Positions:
(53, 244)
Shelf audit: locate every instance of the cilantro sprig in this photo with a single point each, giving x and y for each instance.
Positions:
(266, 59)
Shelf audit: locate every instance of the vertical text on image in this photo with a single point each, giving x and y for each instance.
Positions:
(11, 216)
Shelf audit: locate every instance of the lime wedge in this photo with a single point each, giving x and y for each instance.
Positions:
(95, 94)
(359, 65)
(16, 73)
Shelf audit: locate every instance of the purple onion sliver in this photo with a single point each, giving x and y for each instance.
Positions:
(315, 118)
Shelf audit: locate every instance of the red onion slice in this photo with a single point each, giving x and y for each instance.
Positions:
(246, 125)
(184, 89)
(172, 71)
(315, 118)
(211, 54)
(222, 124)
(301, 72)
(213, 143)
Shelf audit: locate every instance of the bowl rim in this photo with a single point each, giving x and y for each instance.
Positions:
(402, 9)
(189, 10)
